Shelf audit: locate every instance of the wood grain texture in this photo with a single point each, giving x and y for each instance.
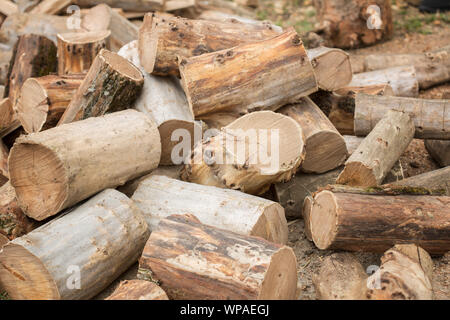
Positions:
(138, 290)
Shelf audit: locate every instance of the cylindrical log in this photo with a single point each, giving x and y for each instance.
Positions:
(138, 290)
(368, 222)
(195, 261)
(159, 197)
(325, 147)
(42, 101)
(8, 118)
(163, 39)
(111, 84)
(436, 179)
(431, 116)
(379, 151)
(54, 169)
(77, 255)
(439, 151)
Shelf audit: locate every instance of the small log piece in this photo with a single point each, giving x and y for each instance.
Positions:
(138, 290)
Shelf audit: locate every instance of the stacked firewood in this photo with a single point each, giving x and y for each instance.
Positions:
(162, 144)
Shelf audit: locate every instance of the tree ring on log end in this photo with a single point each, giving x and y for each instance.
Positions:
(272, 225)
(323, 219)
(121, 65)
(167, 144)
(357, 174)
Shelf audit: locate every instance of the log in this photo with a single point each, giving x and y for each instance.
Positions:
(431, 116)
(111, 84)
(173, 5)
(163, 39)
(439, 151)
(4, 154)
(193, 261)
(436, 179)
(325, 147)
(3, 240)
(138, 290)
(375, 222)
(306, 215)
(42, 101)
(352, 24)
(284, 74)
(215, 162)
(379, 151)
(403, 80)
(56, 263)
(81, 159)
(77, 50)
(8, 7)
(127, 5)
(352, 143)
(8, 118)
(163, 99)
(331, 66)
(50, 6)
(33, 56)
(159, 197)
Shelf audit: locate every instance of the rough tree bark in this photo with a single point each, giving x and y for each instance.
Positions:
(436, 179)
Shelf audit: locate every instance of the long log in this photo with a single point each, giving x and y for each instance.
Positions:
(54, 262)
(191, 260)
(54, 169)
(159, 197)
(138, 290)
(431, 116)
(277, 72)
(436, 179)
(42, 101)
(439, 151)
(111, 84)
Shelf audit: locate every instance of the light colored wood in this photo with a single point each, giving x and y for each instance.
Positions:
(56, 168)
(436, 179)
(112, 84)
(215, 82)
(138, 290)
(306, 215)
(50, 6)
(8, 7)
(110, 234)
(172, 5)
(195, 261)
(127, 5)
(431, 116)
(439, 150)
(379, 151)
(3, 240)
(248, 3)
(352, 143)
(4, 154)
(159, 197)
(8, 118)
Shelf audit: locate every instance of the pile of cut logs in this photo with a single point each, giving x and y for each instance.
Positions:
(93, 118)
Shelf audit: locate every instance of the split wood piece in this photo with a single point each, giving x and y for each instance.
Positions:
(340, 277)
(240, 156)
(8, 118)
(163, 99)
(331, 66)
(367, 222)
(172, 5)
(306, 215)
(42, 101)
(159, 197)
(163, 39)
(379, 151)
(53, 260)
(77, 50)
(436, 179)
(191, 260)
(55, 169)
(325, 147)
(33, 56)
(352, 24)
(439, 151)
(403, 80)
(401, 276)
(8, 7)
(127, 5)
(138, 290)
(284, 74)
(4, 171)
(111, 84)
(431, 116)
(13, 222)
(248, 3)
(50, 6)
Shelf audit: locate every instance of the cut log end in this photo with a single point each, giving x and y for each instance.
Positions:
(167, 144)
(121, 65)
(269, 227)
(357, 174)
(84, 37)
(323, 220)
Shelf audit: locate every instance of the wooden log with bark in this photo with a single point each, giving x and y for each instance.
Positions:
(42, 101)
(159, 197)
(111, 84)
(55, 169)
(439, 151)
(191, 260)
(325, 147)
(379, 151)
(138, 290)
(306, 215)
(366, 219)
(56, 263)
(277, 72)
(8, 118)
(240, 156)
(431, 116)
(8, 7)
(436, 179)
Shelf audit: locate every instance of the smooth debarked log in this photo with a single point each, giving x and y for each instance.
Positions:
(368, 222)
(325, 147)
(42, 101)
(379, 151)
(50, 6)
(436, 179)
(431, 116)
(56, 168)
(439, 151)
(191, 260)
(159, 197)
(163, 39)
(77, 255)
(259, 76)
(138, 290)
(112, 84)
